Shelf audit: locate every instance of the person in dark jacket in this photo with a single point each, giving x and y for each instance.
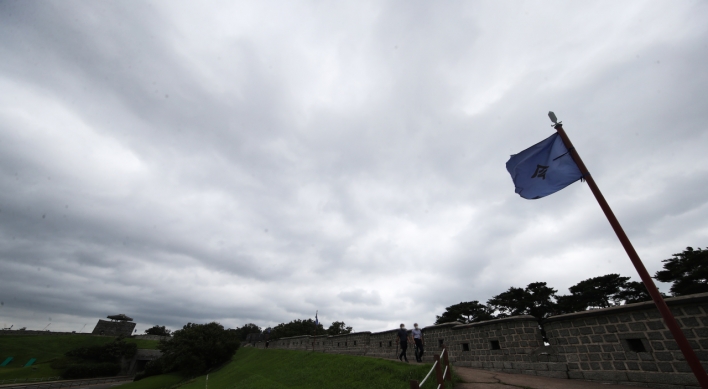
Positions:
(403, 337)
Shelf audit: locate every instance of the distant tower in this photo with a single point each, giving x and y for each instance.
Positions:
(119, 325)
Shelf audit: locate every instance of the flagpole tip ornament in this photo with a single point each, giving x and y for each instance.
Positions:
(554, 119)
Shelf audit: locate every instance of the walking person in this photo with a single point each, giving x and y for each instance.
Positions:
(402, 338)
(419, 342)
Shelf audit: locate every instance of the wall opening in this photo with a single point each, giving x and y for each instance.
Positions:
(380, 344)
(355, 342)
(390, 343)
(440, 343)
(636, 345)
(345, 344)
(465, 347)
(494, 345)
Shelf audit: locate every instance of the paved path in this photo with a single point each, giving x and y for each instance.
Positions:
(484, 379)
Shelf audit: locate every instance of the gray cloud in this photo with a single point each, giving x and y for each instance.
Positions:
(258, 162)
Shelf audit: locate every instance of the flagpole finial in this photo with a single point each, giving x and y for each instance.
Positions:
(554, 119)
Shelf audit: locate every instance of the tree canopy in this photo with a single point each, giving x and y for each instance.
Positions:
(197, 347)
(535, 300)
(245, 330)
(158, 330)
(296, 327)
(688, 270)
(465, 312)
(339, 328)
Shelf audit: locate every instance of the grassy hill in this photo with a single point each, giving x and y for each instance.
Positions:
(254, 368)
(45, 349)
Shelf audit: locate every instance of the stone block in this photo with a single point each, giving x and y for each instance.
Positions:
(655, 336)
(553, 374)
(607, 366)
(606, 356)
(610, 338)
(573, 340)
(639, 316)
(619, 365)
(659, 378)
(624, 317)
(613, 319)
(618, 356)
(575, 375)
(573, 366)
(596, 338)
(595, 357)
(584, 365)
(595, 366)
(611, 328)
(664, 356)
(599, 330)
(637, 326)
(558, 366)
(655, 325)
(594, 348)
(632, 365)
(648, 366)
(702, 355)
(622, 327)
(657, 346)
(585, 330)
(692, 310)
(605, 375)
(665, 367)
(681, 367)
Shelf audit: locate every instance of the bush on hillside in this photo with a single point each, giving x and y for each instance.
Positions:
(158, 330)
(95, 361)
(195, 349)
(110, 352)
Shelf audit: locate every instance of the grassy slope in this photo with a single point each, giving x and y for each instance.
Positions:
(155, 382)
(45, 349)
(263, 369)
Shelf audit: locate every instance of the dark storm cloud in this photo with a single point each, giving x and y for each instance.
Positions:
(259, 162)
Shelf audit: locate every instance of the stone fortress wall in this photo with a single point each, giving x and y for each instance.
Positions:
(114, 328)
(628, 344)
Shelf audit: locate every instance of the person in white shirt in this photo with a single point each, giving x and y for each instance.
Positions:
(418, 339)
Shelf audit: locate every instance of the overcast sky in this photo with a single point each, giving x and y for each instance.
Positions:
(255, 162)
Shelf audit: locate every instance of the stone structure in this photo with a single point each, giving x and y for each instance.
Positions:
(113, 328)
(139, 360)
(628, 344)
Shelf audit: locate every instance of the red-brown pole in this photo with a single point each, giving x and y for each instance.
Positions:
(669, 319)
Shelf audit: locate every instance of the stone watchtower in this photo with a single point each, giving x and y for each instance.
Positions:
(119, 325)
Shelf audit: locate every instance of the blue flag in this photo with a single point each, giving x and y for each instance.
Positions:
(543, 169)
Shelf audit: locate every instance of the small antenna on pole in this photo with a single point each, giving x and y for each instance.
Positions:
(553, 118)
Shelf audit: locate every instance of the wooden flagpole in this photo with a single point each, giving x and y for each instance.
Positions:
(666, 314)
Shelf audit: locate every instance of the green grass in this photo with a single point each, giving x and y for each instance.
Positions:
(254, 368)
(45, 349)
(144, 343)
